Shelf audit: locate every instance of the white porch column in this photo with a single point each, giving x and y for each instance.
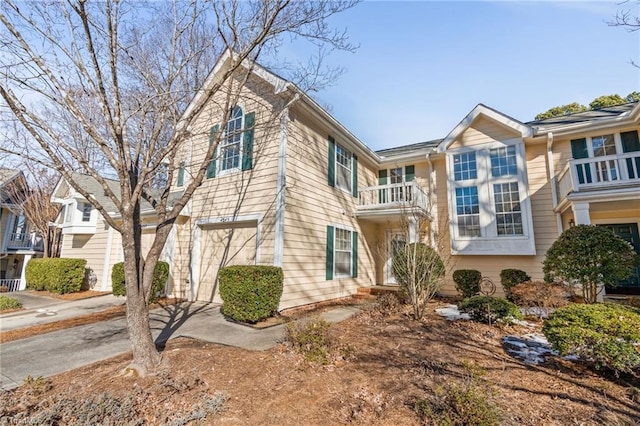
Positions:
(581, 213)
(23, 279)
(413, 230)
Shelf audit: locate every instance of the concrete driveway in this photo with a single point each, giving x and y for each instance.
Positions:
(53, 353)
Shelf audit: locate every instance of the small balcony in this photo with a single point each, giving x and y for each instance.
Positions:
(392, 199)
(24, 241)
(600, 174)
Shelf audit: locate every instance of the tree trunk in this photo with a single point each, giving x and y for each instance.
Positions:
(145, 354)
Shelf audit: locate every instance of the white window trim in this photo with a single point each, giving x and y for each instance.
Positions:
(337, 164)
(219, 160)
(490, 242)
(351, 231)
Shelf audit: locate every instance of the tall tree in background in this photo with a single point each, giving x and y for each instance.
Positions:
(607, 101)
(102, 88)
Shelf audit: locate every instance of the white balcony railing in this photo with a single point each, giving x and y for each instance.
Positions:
(24, 241)
(408, 194)
(599, 172)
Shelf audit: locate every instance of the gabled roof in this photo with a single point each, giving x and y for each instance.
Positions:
(92, 186)
(484, 111)
(587, 117)
(7, 176)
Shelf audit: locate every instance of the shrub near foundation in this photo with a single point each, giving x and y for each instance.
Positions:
(57, 275)
(510, 278)
(467, 281)
(160, 277)
(250, 293)
(489, 309)
(605, 335)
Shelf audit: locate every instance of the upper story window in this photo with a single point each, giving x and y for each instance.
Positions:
(68, 212)
(342, 170)
(464, 166)
(489, 204)
(86, 212)
(235, 147)
(230, 143)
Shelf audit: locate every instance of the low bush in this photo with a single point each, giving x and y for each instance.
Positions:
(605, 335)
(7, 303)
(510, 278)
(388, 304)
(489, 309)
(458, 404)
(57, 275)
(540, 295)
(467, 281)
(311, 339)
(160, 277)
(250, 293)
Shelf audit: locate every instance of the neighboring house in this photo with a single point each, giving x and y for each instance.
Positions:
(18, 242)
(86, 235)
(292, 187)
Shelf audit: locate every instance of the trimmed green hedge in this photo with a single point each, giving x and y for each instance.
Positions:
(7, 303)
(467, 281)
(160, 277)
(489, 309)
(605, 335)
(250, 293)
(57, 275)
(510, 278)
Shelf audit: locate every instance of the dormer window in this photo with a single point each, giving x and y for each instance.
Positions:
(86, 212)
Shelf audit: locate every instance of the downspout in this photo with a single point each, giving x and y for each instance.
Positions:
(553, 181)
(281, 183)
(432, 211)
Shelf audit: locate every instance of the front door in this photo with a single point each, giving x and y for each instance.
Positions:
(628, 232)
(395, 241)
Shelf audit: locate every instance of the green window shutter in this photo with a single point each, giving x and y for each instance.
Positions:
(247, 146)
(354, 255)
(579, 148)
(409, 173)
(211, 167)
(630, 142)
(181, 175)
(331, 167)
(354, 172)
(329, 263)
(382, 177)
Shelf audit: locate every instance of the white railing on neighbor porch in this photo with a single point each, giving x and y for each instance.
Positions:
(24, 241)
(599, 172)
(408, 194)
(10, 285)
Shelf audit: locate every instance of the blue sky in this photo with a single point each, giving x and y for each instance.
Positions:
(422, 66)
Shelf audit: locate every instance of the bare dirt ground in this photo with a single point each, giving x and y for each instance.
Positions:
(386, 365)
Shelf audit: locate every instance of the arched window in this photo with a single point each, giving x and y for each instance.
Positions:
(230, 144)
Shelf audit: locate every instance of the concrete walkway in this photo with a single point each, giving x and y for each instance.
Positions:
(53, 353)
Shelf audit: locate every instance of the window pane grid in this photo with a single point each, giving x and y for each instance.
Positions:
(343, 169)
(503, 161)
(464, 166)
(342, 252)
(468, 211)
(603, 145)
(230, 144)
(508, 209)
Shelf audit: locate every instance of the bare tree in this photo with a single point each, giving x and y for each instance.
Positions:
(31, 197)
(626, 19)
(103, 88)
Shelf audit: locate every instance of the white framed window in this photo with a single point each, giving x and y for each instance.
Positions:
(231, 143)
(342, 253)
(68, 212)
(489, 207)
(86, 212)
(343, 168)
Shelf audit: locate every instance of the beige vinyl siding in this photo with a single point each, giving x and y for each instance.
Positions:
(234, 194)
(311, 205)
(484, 130)
(543, 216)
(90, 247)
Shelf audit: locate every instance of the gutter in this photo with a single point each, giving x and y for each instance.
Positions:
(553, 181)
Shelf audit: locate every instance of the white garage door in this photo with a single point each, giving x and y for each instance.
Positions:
(231, 245)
